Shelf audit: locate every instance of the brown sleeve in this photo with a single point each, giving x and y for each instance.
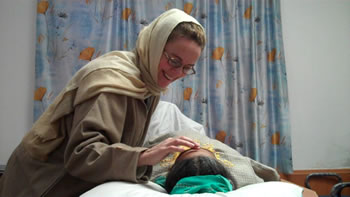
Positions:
(96, 149)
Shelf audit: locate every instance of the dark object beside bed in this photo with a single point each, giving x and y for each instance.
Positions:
(2, 169)
(336, 189)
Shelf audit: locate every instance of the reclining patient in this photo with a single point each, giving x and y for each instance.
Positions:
(214, 158)
(196, 171)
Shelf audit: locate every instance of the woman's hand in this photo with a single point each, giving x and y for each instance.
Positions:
(155, 154)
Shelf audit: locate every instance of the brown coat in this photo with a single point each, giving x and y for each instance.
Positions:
(105, 135)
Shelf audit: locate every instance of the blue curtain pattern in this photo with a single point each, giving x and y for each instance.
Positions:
(239, 92)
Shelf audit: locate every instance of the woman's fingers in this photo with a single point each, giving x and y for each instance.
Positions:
(172, 149)
(182, 141)
(195, 144)
(155, 154)
(161, 150)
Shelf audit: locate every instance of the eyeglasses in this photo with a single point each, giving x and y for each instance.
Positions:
(176, 63)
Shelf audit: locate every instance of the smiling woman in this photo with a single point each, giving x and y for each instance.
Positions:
(185, 51)
(181, 52)
(100, 119)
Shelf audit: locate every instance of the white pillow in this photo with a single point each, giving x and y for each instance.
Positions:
(168, 118)
(126, 189)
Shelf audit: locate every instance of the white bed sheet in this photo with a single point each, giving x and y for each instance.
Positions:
(126, 189)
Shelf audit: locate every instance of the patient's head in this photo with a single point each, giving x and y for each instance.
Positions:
(190, 153)
(194, 163)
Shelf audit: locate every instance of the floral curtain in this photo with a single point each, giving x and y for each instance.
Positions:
(239, 92)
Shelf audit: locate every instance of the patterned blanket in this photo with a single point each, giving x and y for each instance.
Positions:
(244, 170)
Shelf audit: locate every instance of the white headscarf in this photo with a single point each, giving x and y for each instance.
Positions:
(121, 72)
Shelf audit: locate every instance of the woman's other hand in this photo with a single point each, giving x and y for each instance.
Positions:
(155, 154)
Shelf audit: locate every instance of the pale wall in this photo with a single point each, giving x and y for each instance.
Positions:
(317, 47)
(17, 57)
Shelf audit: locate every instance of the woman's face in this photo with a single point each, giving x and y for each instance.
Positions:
(181, 50)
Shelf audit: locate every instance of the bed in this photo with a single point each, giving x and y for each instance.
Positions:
(255, 181)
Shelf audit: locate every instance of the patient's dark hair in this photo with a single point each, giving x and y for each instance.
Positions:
(194, 166)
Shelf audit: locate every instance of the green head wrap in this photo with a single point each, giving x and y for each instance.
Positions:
(199, 184)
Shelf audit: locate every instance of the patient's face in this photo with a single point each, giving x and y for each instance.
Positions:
(190, 153)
